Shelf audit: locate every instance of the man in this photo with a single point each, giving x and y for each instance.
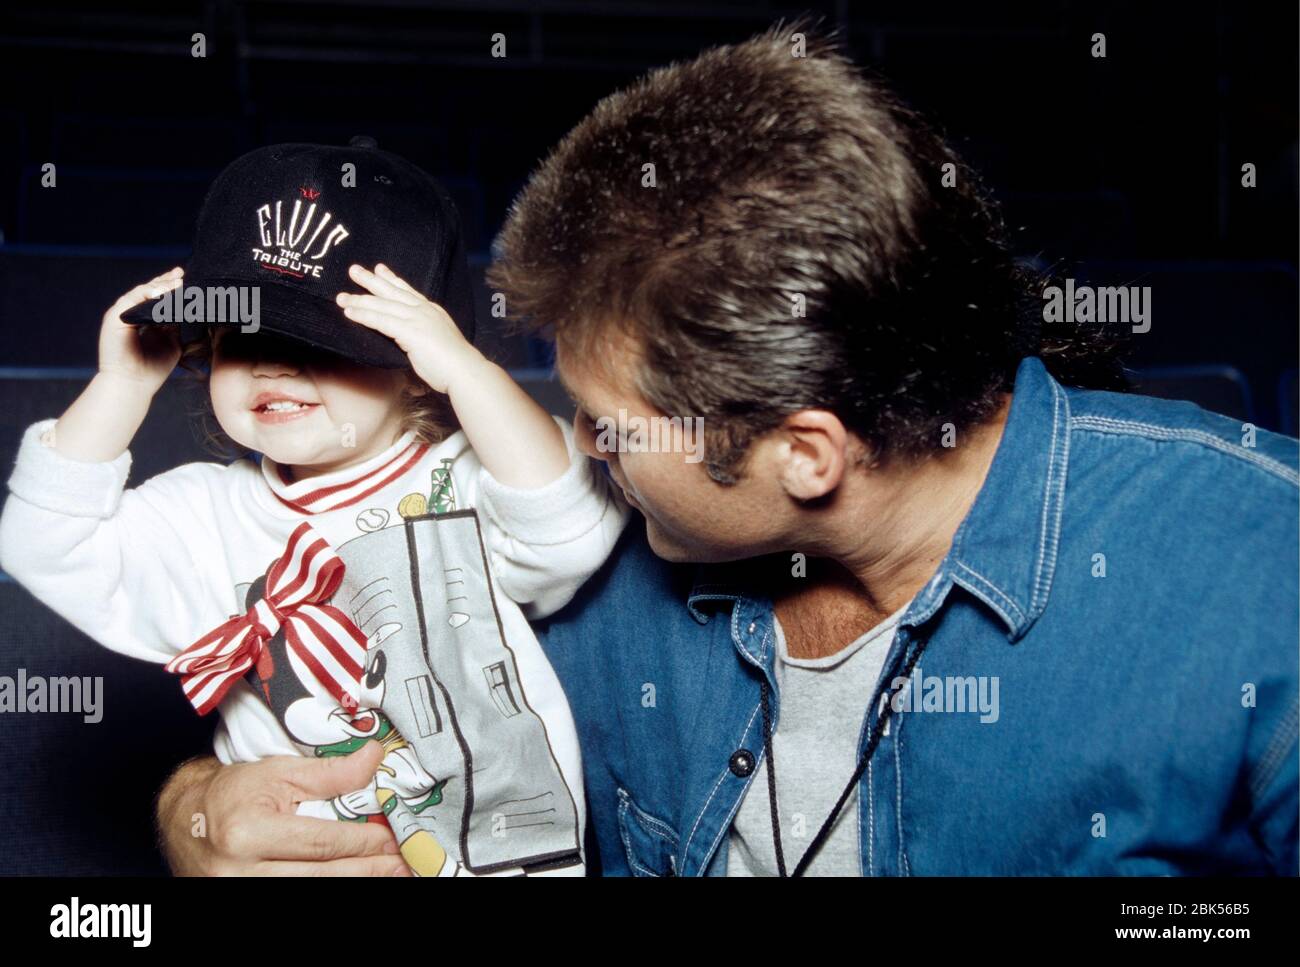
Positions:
(933, 602)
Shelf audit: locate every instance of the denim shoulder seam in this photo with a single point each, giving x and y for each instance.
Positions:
(1283, 741)
(1102, 424)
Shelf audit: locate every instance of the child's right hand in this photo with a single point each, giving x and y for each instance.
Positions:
(143, 355)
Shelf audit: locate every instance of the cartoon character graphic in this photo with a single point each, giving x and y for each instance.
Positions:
(470, 784)
(441, 499)
(319, 725)
(455, 692)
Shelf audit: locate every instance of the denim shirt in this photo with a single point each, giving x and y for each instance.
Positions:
(1127, 582)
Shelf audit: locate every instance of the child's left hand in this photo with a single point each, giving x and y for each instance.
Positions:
(437, 349)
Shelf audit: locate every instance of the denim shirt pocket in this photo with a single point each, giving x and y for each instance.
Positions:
(650, 843)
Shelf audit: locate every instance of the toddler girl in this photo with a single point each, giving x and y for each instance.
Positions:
(372, 576)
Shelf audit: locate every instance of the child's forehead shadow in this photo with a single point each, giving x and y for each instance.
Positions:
(233, 343)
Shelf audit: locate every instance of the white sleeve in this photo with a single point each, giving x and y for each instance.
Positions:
(122, 566)
(545, 542)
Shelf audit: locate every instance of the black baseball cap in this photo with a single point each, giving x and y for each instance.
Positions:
(290, 218)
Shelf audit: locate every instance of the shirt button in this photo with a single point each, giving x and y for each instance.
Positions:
(742, 763)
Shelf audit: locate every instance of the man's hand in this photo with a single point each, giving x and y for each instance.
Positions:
(239, 820)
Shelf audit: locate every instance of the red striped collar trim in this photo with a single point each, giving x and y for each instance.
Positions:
(345, 487)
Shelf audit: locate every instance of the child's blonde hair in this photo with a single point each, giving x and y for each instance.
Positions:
(428, 413)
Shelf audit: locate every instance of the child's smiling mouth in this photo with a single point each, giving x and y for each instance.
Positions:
(278, 408)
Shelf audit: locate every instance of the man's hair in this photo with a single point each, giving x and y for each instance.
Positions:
(798, 249)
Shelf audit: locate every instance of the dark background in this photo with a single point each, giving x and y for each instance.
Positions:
(1123, 170)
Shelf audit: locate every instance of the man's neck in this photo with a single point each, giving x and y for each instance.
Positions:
(823, 613)
(882, 543)
(915, 510)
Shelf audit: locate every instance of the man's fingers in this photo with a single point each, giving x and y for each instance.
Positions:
(332, 776)
(310, 840)
(353, 866)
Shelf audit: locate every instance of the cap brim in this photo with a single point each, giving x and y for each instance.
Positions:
(289, 313)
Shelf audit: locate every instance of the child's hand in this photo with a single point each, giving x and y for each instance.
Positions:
(143, 355)
(515, 439)
(438, 351)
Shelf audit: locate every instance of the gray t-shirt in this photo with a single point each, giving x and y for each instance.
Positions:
(823, 705)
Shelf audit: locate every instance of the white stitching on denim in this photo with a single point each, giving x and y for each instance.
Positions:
(686, 850)
(727, 820)
(712, 792)
(898, 787)
(865, 798)
(861, 804)
(871, 821)
(1132, 428)
(769, 636)
(655, 827)
(921, 617)
(735, 627)
(690, 602)
(988, 585)
(623, 801)
(1047, 488)
(1283, 740)
(735, 636)
(1057, 472)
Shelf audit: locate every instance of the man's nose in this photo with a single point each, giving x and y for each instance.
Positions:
(584, 436)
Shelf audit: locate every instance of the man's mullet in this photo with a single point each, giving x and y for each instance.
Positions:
(774, 231)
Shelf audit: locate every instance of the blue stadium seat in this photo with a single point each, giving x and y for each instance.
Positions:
(111, 206)
(1220, 389)
(78, 797)
(1288, 401)
(188, 141)
(1238, 314)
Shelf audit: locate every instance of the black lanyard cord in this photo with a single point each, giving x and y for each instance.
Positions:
(771, 779)
(874, 740)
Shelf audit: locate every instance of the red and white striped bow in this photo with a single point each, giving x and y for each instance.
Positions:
(298, 585)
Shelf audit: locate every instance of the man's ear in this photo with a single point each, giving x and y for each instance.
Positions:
(812, 452)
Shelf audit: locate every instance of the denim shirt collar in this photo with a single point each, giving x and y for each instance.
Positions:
(1004, 551)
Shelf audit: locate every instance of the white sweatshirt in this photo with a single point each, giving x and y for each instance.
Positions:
(148, 571)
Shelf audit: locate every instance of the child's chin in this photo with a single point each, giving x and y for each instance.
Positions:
(288, 446)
